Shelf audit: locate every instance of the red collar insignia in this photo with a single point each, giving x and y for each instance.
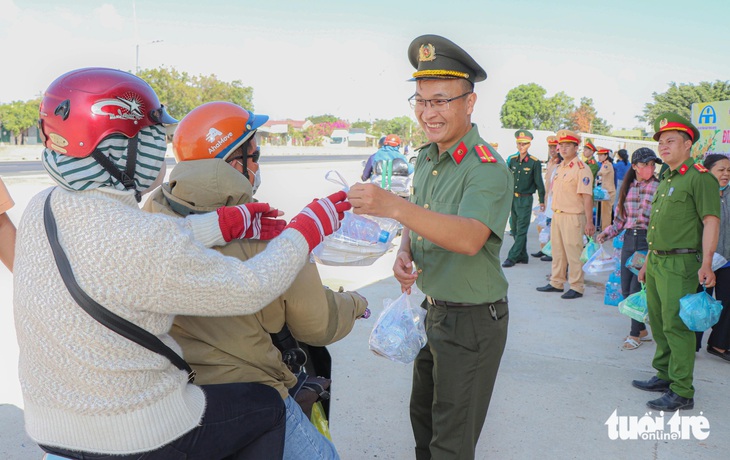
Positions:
(570, 165)
(459, 153)
(683, 169)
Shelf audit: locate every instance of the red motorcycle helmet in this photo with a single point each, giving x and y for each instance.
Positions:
(392, 139)
(82, 107)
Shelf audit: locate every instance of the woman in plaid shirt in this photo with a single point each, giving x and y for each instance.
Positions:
(632, 214)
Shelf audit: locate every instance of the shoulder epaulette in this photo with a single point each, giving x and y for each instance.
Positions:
(591, 161)
(484, 154)
(533, 158)
(581, 165)
(701, 168)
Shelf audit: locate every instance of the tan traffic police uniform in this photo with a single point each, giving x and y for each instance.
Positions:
(572, 180)
(606, 173)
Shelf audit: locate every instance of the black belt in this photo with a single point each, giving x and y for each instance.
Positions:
(674, 252)
(636, 231)
(443, 303)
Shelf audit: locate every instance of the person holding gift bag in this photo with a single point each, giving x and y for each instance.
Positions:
(632, 214)
(682, 236)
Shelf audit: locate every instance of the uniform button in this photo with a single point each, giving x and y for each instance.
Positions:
(669, 180)
(649, 243)
(652, 227)
(419, 238)
(435, 173)
(420, 270)
(426, 206)
(662, 195)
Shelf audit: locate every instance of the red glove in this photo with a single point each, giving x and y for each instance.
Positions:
(257, 221)
(320, 218)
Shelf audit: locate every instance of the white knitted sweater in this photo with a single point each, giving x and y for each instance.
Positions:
(88, 388)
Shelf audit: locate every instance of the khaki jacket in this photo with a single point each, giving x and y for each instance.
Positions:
(239, 348)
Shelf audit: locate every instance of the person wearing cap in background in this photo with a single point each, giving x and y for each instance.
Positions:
(553, 161)
(572, 218)
(388, 151)
(7, 228)
(240, 348)
(632, 216)
(453, 229)
(682, 235)
(527, 172)
(588, 150)
(605, 178)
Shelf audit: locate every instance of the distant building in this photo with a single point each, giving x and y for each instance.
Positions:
(635, 133)
(30, 136)
(277, 132)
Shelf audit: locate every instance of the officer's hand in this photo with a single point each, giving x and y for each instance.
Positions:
(706, 276)
(590, 229)
(642, 274)
(372, 200)
(403, 271)
(542, 207)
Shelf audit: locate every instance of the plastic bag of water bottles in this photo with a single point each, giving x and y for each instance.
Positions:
(600, 194)
(590, 248)
(360, 240)
(700, 311)
(618, 241)
(601, 261)
(400, 332)
(613, 296)
(544, 235)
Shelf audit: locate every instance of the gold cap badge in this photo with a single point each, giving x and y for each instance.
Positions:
(427, 52)
(663, 123)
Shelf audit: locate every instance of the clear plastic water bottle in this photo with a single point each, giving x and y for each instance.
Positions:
(364, 229)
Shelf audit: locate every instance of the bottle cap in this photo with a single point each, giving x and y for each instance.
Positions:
(383, 237)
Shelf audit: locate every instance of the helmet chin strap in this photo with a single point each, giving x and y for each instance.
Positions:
(126, 177)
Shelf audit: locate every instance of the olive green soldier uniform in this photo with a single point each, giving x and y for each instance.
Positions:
(590, 161)
(527, 173)
(467, 315)
(683, 198)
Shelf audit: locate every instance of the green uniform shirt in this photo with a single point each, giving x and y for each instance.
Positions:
(527, 175)
(682, 199)
(472, 189)
(593, 166)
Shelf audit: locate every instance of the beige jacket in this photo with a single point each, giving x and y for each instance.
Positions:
(239, 348)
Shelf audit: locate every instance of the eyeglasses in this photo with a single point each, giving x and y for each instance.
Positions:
(254, 156)
(438, 105)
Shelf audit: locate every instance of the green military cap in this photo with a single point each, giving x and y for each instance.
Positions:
(523, 136)
(434, 56)
(589, 143)
(673, 122)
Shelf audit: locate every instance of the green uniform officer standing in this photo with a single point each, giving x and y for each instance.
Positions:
(588, 150)
(453, 230)
(527, 171)
(682, 235)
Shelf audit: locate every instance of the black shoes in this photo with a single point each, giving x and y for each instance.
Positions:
(653, 384)
(549, 288)
(546, 259)
(721, 354)
(508, 263)
(538, 254)
(571, 294)
(670, 402)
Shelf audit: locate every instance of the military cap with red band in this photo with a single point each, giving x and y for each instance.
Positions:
(603, 151)
(566, 135)
(673, 122)
(434, 56)
(589, 143)
(552, 140)
(523, 136)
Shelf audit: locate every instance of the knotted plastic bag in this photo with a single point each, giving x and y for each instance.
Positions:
(400, 333)
(601, 261)
(613, 295)
(700, 311)
(544, 236)
(590, 248)
(600, 194)
(634, 306)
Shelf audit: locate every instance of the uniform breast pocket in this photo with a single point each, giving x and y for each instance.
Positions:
(678, 204)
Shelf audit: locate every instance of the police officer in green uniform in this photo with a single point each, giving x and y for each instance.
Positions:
(453, 228)
(682, 235)
(527, 171)
(588, 150)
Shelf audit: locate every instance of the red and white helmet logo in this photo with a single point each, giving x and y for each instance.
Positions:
(127, 107)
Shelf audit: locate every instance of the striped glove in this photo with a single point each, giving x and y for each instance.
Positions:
(320, 218)
(256, 221)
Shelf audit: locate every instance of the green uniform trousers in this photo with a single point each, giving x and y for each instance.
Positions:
(521, 211)
(453, 378)
(668, 279)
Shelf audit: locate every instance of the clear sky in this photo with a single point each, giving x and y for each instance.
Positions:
(348, 58)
